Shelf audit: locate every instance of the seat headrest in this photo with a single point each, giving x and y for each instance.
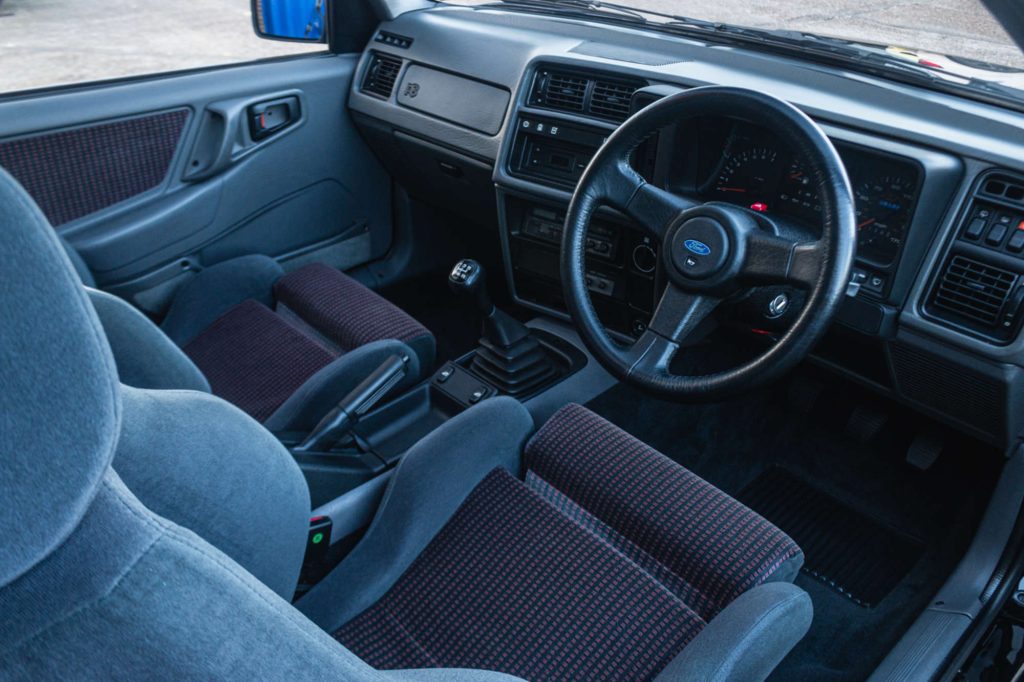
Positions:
(59, 394)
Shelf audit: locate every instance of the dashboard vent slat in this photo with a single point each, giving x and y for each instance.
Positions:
(565, 92)
(381, 75)
(974, 290)
(580, 92)
(611, 100)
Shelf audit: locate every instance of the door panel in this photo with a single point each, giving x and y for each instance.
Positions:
(73, 173)
(150, 180)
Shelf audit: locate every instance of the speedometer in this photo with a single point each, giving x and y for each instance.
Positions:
(883, 211)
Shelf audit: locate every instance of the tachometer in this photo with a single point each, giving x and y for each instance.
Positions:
(749, 177)
(883, 211)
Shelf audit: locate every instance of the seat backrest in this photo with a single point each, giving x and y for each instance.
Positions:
(92, 583)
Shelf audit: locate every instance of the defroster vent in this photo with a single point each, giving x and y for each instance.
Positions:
(978, 296)
(381, 74)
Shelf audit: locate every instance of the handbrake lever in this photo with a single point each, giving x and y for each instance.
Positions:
(358, 402)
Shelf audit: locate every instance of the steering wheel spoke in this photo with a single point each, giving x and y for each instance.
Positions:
(651, 355)
(651, 207)
(680, 312)
(773, 259)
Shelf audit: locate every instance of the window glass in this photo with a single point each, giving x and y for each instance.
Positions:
(957, 41)
(62, 42)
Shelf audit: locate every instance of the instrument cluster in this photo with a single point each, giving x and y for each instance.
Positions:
(744, 165)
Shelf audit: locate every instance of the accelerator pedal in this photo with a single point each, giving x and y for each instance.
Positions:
(925, 449)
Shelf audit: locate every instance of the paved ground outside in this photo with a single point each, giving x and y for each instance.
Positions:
(952, 27)
(50, 42)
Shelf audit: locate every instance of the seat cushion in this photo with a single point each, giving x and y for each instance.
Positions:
(348, 313)
(513, 585)
(707, 547)
(255, 358)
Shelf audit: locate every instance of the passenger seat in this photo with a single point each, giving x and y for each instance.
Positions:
(285, 348)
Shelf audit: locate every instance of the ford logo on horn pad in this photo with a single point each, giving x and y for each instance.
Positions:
(697, 247)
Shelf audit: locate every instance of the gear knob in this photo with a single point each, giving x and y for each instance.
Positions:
(468, 279)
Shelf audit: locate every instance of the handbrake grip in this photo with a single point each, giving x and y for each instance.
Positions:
(354, 405)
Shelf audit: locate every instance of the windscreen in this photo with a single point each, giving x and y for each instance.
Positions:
(955, 39)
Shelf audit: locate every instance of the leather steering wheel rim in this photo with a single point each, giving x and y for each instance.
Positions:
(698, 279)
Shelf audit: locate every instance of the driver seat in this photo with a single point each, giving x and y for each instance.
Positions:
(591, 556)
(586, 555)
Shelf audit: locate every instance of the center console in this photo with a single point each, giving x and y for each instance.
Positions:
(549, 151)
(622, 272)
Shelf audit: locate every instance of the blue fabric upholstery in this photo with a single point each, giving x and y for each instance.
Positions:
(428, 485)
(131, 596)
(747, 639)
(93, 585)
(59, 407)
(144, 355)
(78, 262)
(217, 289)
(207, 466)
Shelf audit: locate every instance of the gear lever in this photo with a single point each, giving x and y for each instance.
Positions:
(467, 278)
(508, 356)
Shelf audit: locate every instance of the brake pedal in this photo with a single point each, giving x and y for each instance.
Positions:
(925, 449)
(865, 423)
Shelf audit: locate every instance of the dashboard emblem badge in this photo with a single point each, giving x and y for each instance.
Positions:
(412, 89)
(697, 247)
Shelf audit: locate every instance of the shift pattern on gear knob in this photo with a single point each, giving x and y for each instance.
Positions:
(468, 278)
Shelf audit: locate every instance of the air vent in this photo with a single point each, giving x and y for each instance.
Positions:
(976, 294)
(1004, 187)
(381, 75)
(584, 93)
(563, 91)
(611, 100)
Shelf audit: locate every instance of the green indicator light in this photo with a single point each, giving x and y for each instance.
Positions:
(318, 538)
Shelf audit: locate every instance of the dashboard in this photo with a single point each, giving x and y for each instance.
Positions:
(936, 300)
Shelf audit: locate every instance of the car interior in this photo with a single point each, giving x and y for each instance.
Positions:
(521, 340)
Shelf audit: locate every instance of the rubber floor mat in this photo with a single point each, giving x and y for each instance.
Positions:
(854, 554)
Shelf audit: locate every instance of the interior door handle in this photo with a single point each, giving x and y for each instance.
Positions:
(272, 116)
(231, 129)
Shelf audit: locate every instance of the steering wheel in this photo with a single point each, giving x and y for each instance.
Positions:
(712, 252)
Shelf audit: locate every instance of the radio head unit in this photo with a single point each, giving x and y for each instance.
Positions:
(552, 151)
